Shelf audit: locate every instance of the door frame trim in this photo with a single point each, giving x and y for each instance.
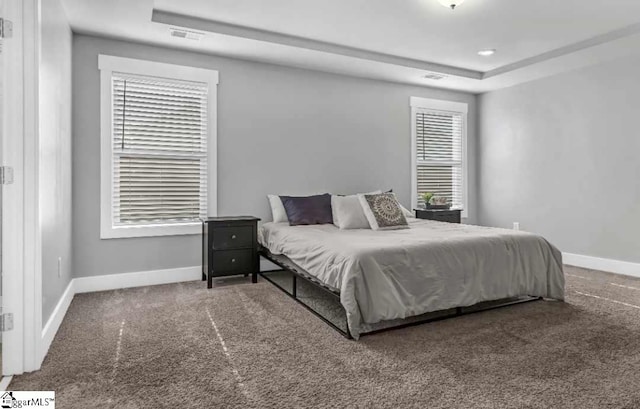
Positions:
(22, 266)
(32, 241)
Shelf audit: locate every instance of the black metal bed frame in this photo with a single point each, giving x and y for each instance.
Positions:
(297, 272)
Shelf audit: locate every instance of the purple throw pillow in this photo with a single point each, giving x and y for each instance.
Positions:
(308, 209)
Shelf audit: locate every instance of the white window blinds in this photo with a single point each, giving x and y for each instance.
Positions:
(159, 150)
(439, 150)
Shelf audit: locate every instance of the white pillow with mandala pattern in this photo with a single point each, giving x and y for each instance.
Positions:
(383, 211)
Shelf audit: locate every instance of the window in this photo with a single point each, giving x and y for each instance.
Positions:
(158, 145)
(439, 151)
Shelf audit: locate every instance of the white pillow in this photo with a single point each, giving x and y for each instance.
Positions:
(406, 211)
(384, 212)
(350, 211)
(277, 209)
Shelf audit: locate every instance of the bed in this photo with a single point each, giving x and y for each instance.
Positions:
(431, 266)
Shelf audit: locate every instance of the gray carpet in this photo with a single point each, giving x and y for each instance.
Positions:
(244, 346)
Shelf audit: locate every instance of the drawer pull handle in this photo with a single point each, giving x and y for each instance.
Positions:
(233, 260)
(233, 237)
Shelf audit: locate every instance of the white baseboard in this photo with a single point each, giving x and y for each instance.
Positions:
(51, 327)
(110, 282)
(139, 279)
(603, 264)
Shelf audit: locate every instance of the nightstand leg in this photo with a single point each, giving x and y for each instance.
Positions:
(256, 269)
(209, 280)
(204, 251)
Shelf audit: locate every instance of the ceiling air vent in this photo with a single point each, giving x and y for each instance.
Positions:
(182, 33)
(435, 76)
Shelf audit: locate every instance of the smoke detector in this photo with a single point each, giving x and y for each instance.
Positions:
(435, 76)
(187, 34)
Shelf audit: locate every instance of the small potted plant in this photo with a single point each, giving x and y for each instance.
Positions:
(427, 196)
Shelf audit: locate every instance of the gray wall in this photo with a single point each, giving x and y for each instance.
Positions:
(280, 130)
(55, 153)
(560, 155)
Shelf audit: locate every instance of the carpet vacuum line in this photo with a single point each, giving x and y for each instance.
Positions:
(573, 275)
(626, 286)
(227, 354)
(614, 284)
(118, 351)
(608, 299)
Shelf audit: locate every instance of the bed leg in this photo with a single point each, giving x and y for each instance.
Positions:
(295, 286)
(458, 310)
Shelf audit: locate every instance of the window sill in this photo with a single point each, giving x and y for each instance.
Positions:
(150, 230)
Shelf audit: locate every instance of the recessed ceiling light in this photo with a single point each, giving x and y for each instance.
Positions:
(487, 52)
(436, 76)
(451, 4)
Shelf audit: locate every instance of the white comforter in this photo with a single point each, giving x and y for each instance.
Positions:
(384, 275)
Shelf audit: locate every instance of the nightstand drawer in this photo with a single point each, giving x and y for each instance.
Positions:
(235, 237)
(449, 216)
(230, 261)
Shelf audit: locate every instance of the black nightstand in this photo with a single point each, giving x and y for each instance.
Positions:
(230, 247)
(449, 216)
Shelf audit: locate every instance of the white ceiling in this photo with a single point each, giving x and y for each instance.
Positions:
(399, 39)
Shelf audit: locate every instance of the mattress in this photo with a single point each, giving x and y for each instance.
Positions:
(387, 275)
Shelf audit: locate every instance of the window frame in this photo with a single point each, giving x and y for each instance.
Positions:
(107, 65)
(461, 108)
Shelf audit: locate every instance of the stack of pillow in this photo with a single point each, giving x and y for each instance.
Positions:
(374, 210)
